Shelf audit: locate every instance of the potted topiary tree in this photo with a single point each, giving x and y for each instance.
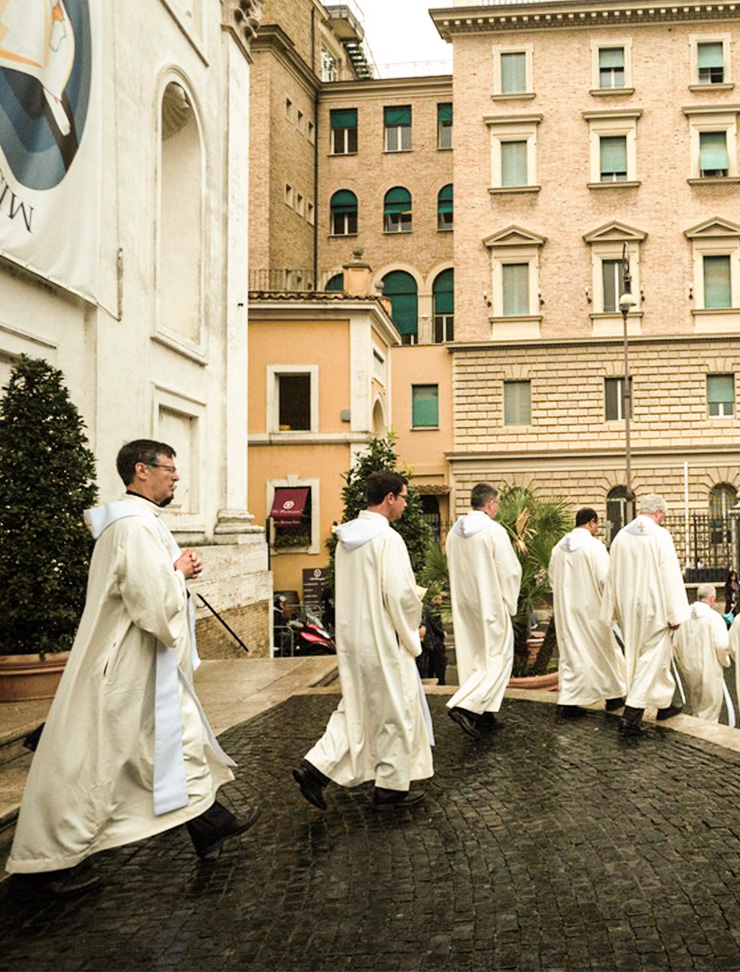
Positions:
(47, 480)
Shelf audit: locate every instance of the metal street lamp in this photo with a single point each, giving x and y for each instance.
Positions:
(627, 301)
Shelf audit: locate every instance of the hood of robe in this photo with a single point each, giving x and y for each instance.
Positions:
(471, 523)
(98, 518)
(643, 526)
(356, 533)
(575, 539)
(700, 609)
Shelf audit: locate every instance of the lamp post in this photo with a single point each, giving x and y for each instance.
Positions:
(627, 301)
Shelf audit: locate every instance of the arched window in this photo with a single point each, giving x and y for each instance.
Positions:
(443, 291)
(722, 498)
(619, 511)
(179, 277)
(343, 207)
(397, 211)
(335, 283)
(400, 288)
(444, 208)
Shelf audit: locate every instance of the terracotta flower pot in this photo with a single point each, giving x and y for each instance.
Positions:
(27, 677)
(547, 682)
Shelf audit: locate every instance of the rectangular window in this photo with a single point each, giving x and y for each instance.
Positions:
(717, 282)
(613, 158)
(311, 133)
(720, 396)
(514, 163)
(611, 67)
(397, 126)
(289, 109)
(424, 406)
(517, 403)
(515, 283)
(289, 195)
(343, 124)
(710, 62)
(612, 278)
(329, 70)
(713, 157)
(614, 399)
(514, 73)
(292, 527)
(444, 126)
(294, 403)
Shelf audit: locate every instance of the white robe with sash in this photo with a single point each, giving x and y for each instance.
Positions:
(378, 731)
(591, 664)
(102, 776)
(645, 593)
(485, 575)
(702, 649)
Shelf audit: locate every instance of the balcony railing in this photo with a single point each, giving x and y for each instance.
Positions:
(282, 280)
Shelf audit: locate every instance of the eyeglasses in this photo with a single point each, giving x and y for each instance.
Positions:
(158, 465)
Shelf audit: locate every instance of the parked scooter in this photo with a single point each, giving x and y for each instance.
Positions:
(310, 638)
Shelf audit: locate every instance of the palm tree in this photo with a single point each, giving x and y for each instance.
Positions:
(535, 525)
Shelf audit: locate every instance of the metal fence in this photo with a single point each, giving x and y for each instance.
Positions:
(707, 546)
(278, 280)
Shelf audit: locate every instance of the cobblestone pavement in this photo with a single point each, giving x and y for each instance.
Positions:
(549, 845)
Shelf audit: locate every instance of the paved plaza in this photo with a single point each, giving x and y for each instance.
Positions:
(548, 845)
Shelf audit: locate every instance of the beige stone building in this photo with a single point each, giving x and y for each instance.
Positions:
(593, 131)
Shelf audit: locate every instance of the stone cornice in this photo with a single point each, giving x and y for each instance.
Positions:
(466, 347)
(434, 85)
(273, 38)
(555, 14)
(241, 18)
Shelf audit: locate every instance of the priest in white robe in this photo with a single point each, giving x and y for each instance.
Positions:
(591, 664)
(645, 593)
(380, 730)
(485, 575)
(126, 751)
(702, 649)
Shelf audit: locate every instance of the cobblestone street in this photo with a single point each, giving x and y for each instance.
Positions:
(549, 845)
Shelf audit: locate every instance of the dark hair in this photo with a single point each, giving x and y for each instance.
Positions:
(586, 515)
(481, 494)
(379, 484)
(140, 450)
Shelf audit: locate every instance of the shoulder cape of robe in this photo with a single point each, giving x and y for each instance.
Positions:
(645, 592)
(591, 665)
(378, 731)
(92, 780)
(702, 649)
(485, 575)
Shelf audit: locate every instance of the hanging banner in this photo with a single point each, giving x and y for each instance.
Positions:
(50, 142)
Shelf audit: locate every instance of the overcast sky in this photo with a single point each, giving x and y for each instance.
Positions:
(400, 31)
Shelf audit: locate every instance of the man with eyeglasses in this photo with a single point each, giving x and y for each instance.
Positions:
(126, 751)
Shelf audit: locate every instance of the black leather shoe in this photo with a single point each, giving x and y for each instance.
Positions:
(629, 727)
(488, 722)
(468, 721)
(613, 704)
(668, 713)
(309, 780)
(55, 884)
(210, 829)
(570, 711)
(395, 799)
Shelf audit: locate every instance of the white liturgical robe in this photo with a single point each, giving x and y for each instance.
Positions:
(378, 731)
(485, 575)
(645, 593)
(702, 649)
(124, 706)
(591, 664)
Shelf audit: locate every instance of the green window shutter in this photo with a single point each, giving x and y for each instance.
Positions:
(444, 113)
(517, 403)
(397, 115)
(335, 283)
(514, 163)
(424, 406)
(613, 150)
(344, 201)
(344, 118)
(611, 57)
(444, 199)
(397, 200)
(720, 388)
(515, 279)
(513, 73)
(717, 289)
(612, 276)
(710, 55)
(443, 290)
(400, 288)
(713, 151)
